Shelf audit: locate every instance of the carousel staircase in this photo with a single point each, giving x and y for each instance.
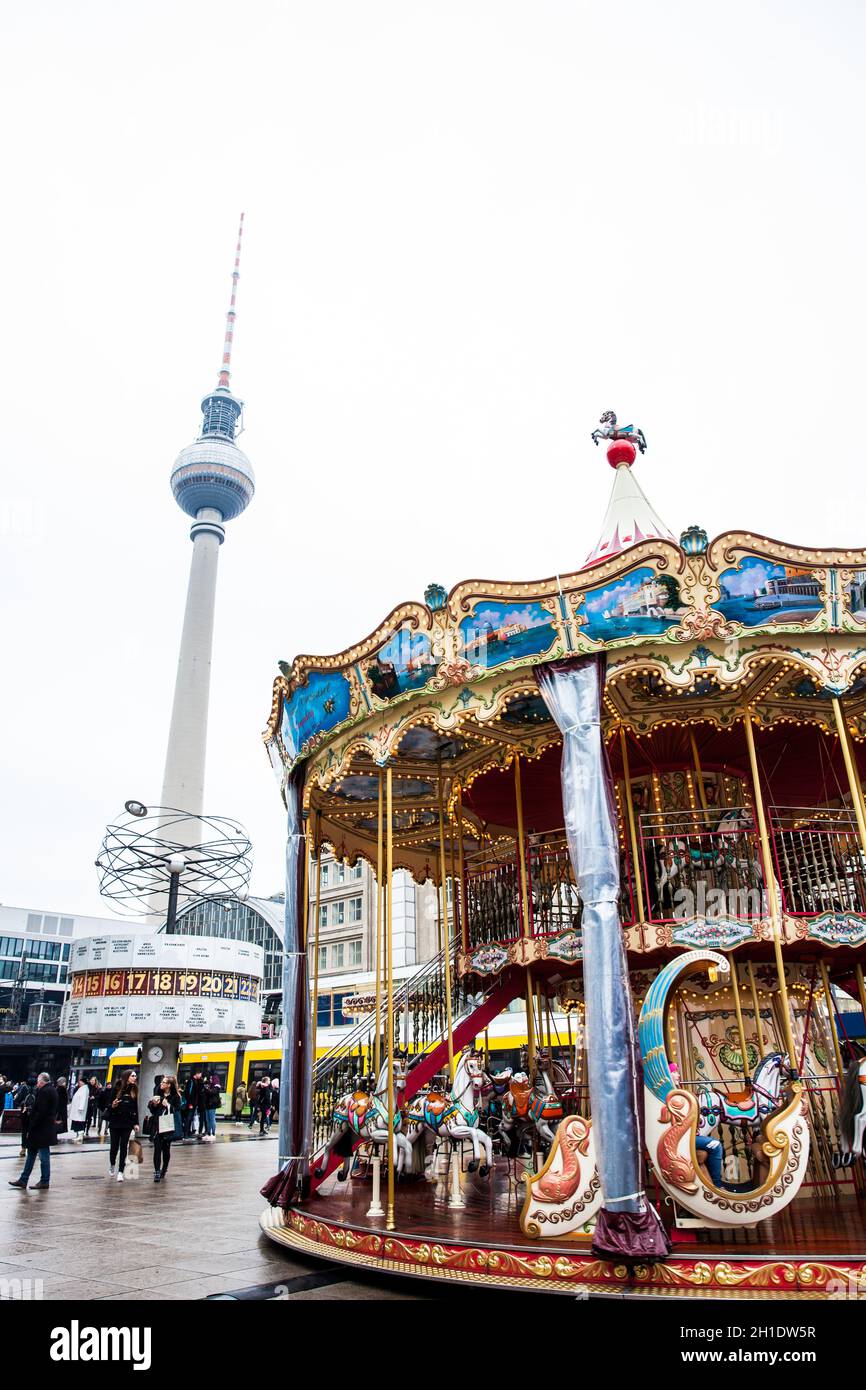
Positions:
(472, 1018)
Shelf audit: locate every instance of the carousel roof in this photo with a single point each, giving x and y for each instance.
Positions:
(630, 518)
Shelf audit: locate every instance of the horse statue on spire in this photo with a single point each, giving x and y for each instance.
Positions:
(611, 431)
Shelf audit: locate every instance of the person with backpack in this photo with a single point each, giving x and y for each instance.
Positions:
(266, 1100)
(25, 1096)
(193, 1104)
(122, 1123)
(104, 1097)
(166, 1124)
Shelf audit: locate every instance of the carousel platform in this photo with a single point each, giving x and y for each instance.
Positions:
(814, 1249)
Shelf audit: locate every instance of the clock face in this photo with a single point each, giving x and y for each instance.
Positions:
(154, 1054)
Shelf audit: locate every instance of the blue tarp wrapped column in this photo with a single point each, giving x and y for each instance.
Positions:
(627, 1226)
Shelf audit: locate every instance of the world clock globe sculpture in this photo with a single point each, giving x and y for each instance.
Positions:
(158, 988)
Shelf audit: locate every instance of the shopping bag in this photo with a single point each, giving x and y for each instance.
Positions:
(130, 1172)
(166, 1122)
(134, 1152)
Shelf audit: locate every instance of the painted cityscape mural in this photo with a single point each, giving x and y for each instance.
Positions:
(314, 708)
(757, 592)
(643, 603)
(857, 595)
(405, 662)
(498, 632)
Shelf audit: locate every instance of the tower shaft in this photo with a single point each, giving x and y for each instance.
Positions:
(183, 781)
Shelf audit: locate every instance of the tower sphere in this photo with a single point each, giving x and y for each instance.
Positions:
(213, 472)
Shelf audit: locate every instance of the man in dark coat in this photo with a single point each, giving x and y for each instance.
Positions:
(41, 1134)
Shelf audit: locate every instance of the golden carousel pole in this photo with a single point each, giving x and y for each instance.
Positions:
(379, 901)
(757, 1009)
(632, 829)
(735, 984)
(861, 988)
(446, 945)
(702, 793)
(831, 1017)
(389, 934)
(524, 893)
(857, 798)
(772, 894)
(461, 869)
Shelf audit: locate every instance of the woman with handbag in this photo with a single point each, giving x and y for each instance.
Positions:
(165, 1124)
(122, 1122)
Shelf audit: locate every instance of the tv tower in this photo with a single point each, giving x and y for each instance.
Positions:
(212, 481)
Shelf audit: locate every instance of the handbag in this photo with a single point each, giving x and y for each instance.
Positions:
(135, 1152)
(166, 1122)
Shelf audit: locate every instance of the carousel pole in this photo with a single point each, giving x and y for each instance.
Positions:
(318, 848)
(378, 1036)
(389, 934)
(735, 983)
(375, 1209)
(632, 829)
(524, 894)
(772, 895)
(702, 794)
(443, 903)
(851, 769)
(861, 988)
(461, 864)
(757, 1009)
(831, 1014)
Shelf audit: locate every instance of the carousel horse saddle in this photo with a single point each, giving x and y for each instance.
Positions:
(520, 1097)
(546, 1107)
(358, 1108)
(437, 1108)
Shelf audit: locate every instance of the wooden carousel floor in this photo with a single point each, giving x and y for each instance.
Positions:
(829, 1226)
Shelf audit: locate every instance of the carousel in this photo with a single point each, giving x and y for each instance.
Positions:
(637, 790)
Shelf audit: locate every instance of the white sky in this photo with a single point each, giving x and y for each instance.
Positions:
(470, 228)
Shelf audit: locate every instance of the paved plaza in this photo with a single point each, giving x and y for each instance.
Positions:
(193, 1237)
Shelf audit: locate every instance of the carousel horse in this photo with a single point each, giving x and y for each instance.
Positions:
(362, 1115)
(852, 1115)
(611, 431)
(748, 1108)
(438, 1114)
(530, 1103)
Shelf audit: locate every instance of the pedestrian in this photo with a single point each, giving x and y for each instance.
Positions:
(78, 1108)
(166, 1124)
(265, 1102)
(240, 1102)
(25, 1095)
(254, 1103)
(92, 1093)
(122, 1122)
(62, 1120)
(104, 1097)
(275, 1101)
(193, 1104)
(42, 1132)
(211, 1096)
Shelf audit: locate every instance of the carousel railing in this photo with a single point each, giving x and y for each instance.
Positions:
(819, 860)
(494, 906)
(695, 863)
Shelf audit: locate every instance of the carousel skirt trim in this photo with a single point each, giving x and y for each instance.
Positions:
(763, 1277)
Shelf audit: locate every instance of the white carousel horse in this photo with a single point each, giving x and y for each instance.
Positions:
(363, 1115)
(852, 1116)
(679, 1125)
(437, 1114)
(529, 1103)
(748, 1109)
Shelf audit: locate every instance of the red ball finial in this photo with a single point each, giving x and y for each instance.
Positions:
(621, 451)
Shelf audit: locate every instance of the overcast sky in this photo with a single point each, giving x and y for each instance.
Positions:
(470, 228)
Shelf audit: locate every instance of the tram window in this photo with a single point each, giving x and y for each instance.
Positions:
(260, 1067)
(218, 1069)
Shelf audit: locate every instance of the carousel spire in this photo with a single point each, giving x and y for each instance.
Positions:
(629, 518)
